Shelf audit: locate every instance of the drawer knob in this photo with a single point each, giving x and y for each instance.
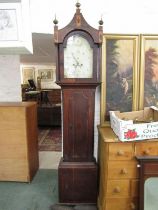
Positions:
(117, 189)
(146, 152)
(132, 205)
(123, 171)
(120, 153)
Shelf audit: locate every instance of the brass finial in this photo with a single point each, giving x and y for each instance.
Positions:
(55, 21)
(101, 21)
(78, 4)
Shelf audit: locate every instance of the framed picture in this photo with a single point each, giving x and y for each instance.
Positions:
(119, 74)
(28, 73)
(149, 71)
(9, 24)
(15, 28)
(45, 74)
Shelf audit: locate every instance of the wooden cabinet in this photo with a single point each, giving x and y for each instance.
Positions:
(119, 177)
(54, 96)
(49, 115)
(18, 141)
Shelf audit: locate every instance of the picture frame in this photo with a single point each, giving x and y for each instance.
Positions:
(46, 74)
(8, 24)
(148, 71)
(15, 27)
(119, 88)
(28, 73)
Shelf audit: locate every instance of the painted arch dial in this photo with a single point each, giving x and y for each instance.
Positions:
(78, 58)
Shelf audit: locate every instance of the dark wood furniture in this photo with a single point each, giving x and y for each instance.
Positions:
(148, 167)
(78, 171)
(49, 106)
(49, 115)
(54, 96)
(18, 141)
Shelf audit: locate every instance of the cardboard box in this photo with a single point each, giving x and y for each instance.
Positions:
(135, 125)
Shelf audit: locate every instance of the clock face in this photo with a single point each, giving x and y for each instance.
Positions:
(78, 58)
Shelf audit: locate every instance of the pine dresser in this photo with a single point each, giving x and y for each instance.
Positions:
(119, 178)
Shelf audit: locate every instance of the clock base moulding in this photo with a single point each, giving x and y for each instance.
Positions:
(78, 182)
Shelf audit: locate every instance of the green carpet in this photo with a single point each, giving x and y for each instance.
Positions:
(40, 194)
(74, 207)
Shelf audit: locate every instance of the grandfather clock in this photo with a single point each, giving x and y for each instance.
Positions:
(78, 73)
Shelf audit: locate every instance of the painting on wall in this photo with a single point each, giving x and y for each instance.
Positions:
(28, 73)
(45, 74)
(119, 74)
(149, 71)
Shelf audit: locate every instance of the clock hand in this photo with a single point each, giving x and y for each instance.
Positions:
(77, 62)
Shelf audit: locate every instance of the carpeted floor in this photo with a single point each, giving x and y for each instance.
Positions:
(50, 139)
(40, 194)
(73, 207)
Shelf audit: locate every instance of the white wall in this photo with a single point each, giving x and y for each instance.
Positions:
(12, 45)
(119, 16)
(10, 84)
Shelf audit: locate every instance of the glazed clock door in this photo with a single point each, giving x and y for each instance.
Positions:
(78, 124)
(78, 58)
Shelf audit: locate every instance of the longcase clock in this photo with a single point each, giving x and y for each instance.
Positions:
(78, 73)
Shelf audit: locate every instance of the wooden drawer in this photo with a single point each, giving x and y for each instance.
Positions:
(118, 188)
(122, 169)
(120, 204)
(146, 148)
(121, 151)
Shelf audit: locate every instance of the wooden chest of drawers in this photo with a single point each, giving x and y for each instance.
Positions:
(118, 188)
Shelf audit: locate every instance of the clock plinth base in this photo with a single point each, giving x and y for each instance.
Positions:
(78, 182)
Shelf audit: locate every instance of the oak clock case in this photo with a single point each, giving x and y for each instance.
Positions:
(78, 64)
